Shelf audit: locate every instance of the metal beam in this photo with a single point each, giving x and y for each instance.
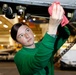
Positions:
(70, 4)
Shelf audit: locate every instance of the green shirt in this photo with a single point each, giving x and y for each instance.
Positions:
(33, 61)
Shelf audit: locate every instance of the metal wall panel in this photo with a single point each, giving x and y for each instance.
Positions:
(71, 4)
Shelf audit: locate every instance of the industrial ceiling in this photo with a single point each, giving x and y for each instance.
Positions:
(66, 4)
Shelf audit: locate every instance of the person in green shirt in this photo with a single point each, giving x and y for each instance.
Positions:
(34, 58)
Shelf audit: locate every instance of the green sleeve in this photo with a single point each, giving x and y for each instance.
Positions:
(63, 34)
(42, 57)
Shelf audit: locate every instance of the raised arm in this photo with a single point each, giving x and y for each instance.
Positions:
(55, 19)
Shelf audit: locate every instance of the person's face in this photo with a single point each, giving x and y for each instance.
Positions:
(25, 36)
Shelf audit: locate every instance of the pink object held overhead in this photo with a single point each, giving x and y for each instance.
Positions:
(64, 20)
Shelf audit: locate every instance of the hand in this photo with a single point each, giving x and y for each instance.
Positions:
(57, 14)
(55, 18)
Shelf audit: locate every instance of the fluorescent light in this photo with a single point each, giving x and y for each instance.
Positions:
(5, 26)
(18, 16)
(1, 44)
(34, 19)
(0, 22)
(24, 21)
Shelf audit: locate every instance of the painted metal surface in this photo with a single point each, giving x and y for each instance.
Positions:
(70, 4)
